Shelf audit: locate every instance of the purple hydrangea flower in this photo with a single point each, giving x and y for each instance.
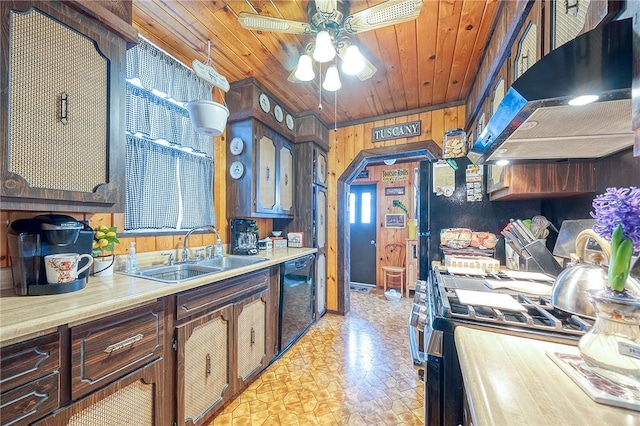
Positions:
(618, 206)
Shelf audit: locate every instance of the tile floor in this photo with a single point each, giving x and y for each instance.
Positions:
(347, 370)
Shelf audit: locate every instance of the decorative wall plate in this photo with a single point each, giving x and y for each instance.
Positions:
(236, 146)
(236, 170)
(289, 121)
(277, 112)
(265, 104)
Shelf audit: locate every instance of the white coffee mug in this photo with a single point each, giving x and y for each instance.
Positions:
(63, 267)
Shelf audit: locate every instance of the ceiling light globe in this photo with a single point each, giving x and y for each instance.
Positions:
(332, 80)
(324, 50)
(304, 70)
(353, 61)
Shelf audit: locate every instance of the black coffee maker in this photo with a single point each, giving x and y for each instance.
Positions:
(30, 240)
(243, 236)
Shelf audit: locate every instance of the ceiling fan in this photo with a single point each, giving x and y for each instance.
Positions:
(333, 17)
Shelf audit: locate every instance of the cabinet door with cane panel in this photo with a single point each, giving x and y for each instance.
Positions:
(204, 365)
(251, 337)
(134, 399)
(62, 144)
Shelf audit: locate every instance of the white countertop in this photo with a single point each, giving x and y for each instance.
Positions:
(511, 381)
(23, 317)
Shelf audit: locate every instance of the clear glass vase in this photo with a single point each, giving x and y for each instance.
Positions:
(612, 346)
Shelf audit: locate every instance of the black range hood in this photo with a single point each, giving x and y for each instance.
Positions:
(534, 120)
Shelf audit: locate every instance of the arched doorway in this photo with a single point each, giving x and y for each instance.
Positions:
(425, 150)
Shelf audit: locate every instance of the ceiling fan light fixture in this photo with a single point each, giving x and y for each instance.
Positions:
(332, 80)
(324, 50)
(353, 61)
(304, 70)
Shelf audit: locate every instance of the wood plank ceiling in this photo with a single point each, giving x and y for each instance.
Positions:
(427, 62)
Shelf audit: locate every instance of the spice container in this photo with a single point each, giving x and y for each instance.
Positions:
(454, 144)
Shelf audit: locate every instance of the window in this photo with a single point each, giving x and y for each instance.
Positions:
(365, 207)
(169, 167)
(365, 212)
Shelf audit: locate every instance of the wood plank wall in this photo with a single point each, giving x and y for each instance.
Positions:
(347, 142)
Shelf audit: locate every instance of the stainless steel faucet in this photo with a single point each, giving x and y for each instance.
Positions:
(185, 250)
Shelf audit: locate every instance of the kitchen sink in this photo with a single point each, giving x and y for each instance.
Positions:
(172, 274)
(231, 261)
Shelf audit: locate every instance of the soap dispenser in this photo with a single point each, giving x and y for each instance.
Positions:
(132, 258)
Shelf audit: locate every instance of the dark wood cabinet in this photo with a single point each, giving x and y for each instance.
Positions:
(62, 145)
(30, 379)
(204, 366)
(540, 180)
(527, 48)
(226, 334)
(133, 399)
(250, 325)
(311, 210)
(104, 349)
(261, 177)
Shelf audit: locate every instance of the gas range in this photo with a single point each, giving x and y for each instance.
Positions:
(539, 319)
(437, 311)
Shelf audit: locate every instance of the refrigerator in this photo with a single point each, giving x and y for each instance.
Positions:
(438, 212)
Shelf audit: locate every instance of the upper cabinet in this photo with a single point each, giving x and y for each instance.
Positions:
(540, 180)
(526, 49)
(62, 145)
(260, 165)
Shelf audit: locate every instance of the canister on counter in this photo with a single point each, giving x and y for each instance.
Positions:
(454, 144)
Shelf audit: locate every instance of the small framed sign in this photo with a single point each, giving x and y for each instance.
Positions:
(394, 220)
(394, 190)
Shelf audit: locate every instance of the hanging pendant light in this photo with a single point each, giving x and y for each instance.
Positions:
(324, 50)
(353, 62)
(332, 80)
(304, 70)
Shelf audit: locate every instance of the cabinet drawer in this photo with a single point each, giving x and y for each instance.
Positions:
(105, 349)
(222, 292)
(31, 401)
(29, 360)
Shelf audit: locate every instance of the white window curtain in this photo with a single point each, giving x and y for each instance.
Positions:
(169, 167)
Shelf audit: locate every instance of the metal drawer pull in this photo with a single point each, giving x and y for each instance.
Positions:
(64, 108)
(208, 366)
(123, 344)
(253, 336)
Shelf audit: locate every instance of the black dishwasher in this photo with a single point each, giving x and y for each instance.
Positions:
(296, 299)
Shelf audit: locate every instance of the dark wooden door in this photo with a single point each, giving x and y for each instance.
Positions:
(362, 219)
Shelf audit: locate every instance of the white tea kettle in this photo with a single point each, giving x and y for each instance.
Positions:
(569, 290)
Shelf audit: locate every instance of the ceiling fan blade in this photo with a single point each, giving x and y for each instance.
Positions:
(369, 69)
(252, 21)
(390, 12)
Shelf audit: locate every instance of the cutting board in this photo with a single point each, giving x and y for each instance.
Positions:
(483, 298)
(524, 275)
(521, 286)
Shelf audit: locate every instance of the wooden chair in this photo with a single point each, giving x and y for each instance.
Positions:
(394, 265)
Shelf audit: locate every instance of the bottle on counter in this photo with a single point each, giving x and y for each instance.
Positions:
(217, 251)
(132, 258)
